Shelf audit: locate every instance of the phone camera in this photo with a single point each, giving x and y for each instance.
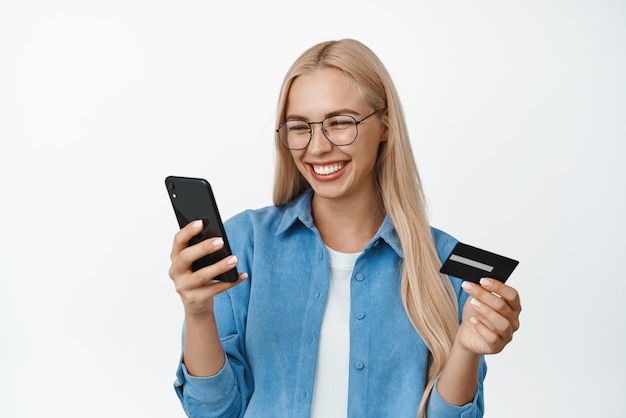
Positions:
(171, 186)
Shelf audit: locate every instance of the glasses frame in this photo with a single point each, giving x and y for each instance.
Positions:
(356, 125)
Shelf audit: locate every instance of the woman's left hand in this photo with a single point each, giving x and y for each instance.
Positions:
(490, 316)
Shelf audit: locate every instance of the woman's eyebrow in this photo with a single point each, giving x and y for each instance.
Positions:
(343, 111)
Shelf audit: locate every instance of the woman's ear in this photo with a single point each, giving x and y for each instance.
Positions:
(384, 126)
(384, 132)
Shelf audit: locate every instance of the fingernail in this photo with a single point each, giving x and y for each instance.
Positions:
(467, 285)
(485, 282)
(243, 276)
(232, 260)
(473, 320)
(476, 303)
(218, 242)
(196, 224)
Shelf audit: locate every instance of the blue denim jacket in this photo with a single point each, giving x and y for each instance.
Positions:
(270, 326)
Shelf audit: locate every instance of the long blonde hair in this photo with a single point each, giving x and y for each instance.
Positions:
(427, 295)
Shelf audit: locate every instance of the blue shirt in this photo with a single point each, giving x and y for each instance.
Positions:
(269, 326)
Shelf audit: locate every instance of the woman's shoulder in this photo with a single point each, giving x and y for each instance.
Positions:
(264, 217)
(444, 242)
(271, 218)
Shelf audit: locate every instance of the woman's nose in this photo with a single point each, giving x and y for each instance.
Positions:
(319, 143)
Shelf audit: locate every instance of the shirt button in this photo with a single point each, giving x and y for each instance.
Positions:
(359, 365)
(360, 315)
(359, 277)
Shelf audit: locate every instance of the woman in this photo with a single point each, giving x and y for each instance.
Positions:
(344, 312)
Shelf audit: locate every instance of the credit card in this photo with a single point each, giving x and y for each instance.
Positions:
(471, 263)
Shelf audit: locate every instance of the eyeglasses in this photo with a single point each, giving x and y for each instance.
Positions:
(340, 130)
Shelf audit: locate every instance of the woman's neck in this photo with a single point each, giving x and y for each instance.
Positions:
(347, 226)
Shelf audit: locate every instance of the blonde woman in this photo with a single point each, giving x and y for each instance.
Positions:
(340, 309)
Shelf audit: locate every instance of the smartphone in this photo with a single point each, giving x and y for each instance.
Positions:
(192, 199)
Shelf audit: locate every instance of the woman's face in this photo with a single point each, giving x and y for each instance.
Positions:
(335, 172)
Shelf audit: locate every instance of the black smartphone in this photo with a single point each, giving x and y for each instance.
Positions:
(192, 199)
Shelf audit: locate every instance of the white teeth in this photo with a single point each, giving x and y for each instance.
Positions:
(325, 170)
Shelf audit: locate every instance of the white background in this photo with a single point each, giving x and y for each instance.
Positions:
(517, 114)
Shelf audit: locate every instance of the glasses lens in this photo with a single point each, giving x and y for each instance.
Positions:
(295, 134)
(341, 130)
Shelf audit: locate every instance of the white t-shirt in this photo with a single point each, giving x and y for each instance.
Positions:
(330, 389)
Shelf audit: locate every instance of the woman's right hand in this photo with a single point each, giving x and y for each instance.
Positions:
(197, 289)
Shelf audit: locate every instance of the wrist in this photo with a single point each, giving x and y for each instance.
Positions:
(458, 381)
(199, 317)
(462, 350)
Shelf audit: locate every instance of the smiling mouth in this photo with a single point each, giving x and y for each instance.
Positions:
(327, 170)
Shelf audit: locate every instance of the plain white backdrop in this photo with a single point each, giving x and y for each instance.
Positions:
(517, 115)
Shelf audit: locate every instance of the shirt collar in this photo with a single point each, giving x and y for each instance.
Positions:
(300, 209)
(387, 233)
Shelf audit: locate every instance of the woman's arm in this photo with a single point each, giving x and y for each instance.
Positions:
(202, 351)
(490, 317)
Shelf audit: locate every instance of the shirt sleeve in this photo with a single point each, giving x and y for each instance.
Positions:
(437, 407)
(226, 394)
(215, 396)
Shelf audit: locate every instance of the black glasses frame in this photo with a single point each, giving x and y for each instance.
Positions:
(356, 125)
